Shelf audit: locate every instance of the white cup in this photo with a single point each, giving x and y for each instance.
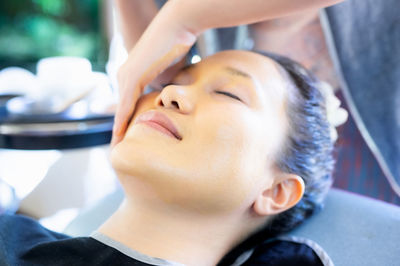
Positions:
(64, 75)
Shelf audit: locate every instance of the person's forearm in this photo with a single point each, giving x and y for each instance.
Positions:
(134, 17)
(200, 15)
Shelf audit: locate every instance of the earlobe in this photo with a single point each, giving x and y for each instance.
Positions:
(281, 196)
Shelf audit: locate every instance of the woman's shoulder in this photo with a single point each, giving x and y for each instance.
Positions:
(24, 241)
(18, 227)
(288, 250)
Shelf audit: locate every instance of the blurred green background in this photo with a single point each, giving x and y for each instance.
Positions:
(33, 29)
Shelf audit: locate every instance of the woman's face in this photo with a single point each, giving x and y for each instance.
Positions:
(226, 152)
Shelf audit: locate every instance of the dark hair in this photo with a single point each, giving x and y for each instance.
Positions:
(307, 151)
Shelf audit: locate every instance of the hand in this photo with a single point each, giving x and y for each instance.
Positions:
(147, 60)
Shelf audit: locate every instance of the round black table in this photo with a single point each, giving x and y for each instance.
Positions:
(52, 131)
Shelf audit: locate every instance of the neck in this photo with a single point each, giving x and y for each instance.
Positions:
(187, 238)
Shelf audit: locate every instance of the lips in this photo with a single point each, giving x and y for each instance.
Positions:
(160, 119)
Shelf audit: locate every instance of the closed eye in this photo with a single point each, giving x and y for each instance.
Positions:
(229, 95)
(167, 84)
(220, 92)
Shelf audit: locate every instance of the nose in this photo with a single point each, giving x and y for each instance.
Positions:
(176, 97)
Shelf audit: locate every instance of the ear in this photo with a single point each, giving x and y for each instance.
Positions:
(281, 196)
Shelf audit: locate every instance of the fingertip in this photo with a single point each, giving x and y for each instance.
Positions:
(115, 129)
(113, 141)
(121, 129)
(115, 133)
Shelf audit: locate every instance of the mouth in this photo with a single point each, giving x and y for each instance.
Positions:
(160, 122)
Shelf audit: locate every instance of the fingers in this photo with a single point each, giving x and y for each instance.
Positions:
(165, 77)
(162, 45)
(121, 120)
(131, 86)
(115, 140)
(119, 126)
(124, 113)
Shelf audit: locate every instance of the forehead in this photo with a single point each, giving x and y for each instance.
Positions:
(262, 72)
(257, 66)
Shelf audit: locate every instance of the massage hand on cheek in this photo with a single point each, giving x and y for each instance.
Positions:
(172, 31)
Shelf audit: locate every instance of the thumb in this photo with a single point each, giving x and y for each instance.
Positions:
(123, 114)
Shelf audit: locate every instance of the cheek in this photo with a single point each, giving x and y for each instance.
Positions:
(230, 156)
(235, 134)
(144, 103)
(224, 134)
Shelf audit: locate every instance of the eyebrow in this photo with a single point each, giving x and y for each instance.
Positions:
(230, 70)
(237, 72)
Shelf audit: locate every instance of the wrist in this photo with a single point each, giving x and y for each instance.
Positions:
(184, 15)
(174, 18)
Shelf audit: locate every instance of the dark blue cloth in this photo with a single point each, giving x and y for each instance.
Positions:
(23, 241)
(364, 38)
(283, 253)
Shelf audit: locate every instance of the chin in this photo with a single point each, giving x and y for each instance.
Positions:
(125, 157)
(138, 157)
(118, 161)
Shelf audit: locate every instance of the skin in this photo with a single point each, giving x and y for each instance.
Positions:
(299, 37)
(205, 193)
(175, 29)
